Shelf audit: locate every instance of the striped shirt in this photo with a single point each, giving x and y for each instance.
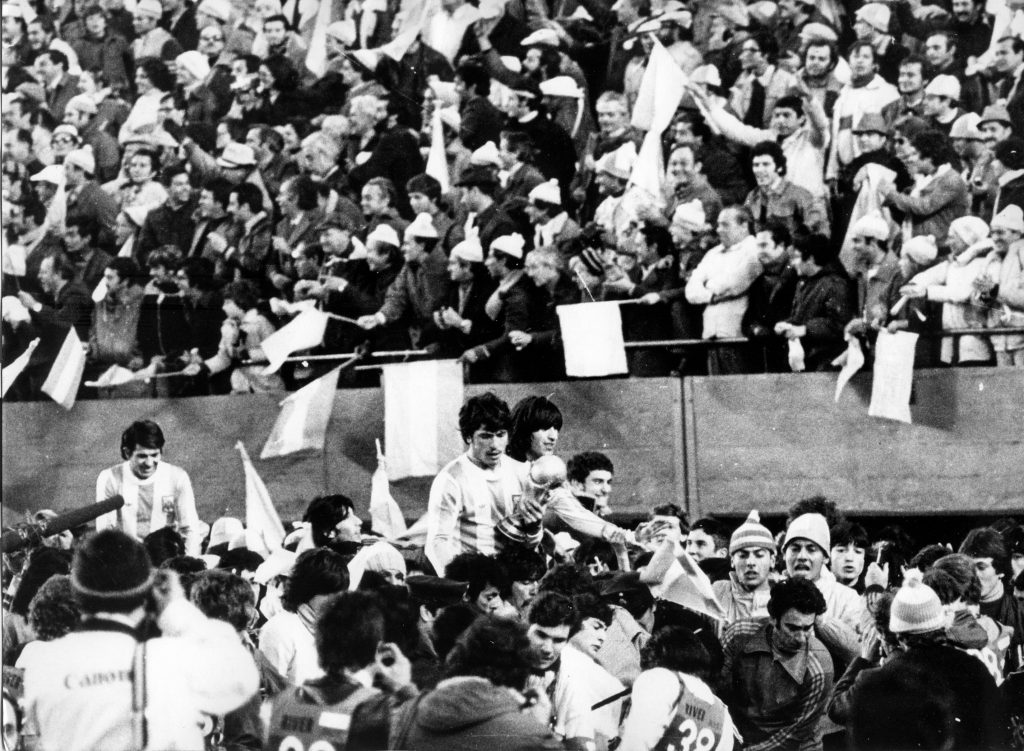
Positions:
(466, 504)
(776, 699)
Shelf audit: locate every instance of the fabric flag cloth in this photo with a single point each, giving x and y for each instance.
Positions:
(796, 356)
(678, 579)
(416, 535)
(869, 199)
(264, 531)
(305, 331)
(14, 259)
(10, 374)
(65, 376)
(302, 422)
(316, 57)
(115, 375)
(893, 376)
(421, 434)
(437, 161)
(385, 515)
(852, 361)
(592, 339)
(661, 89)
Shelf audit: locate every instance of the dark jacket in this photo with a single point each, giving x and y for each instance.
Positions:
(771, 300)
(648, 322)
(364, 295)
(481, 122)
(471, 307)
(166, 225)
(164, 326)
(470, 714)
(822, 304)
(418, 291)
(1011, 193)
(396, 157)
(92, 202)
(518, 305)
(110, 56)
(58, 97)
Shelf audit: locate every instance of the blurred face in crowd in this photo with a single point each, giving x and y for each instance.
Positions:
(910, 81)
(48, 280)
(459, 271)
(596, 485)
(682, 235)
(143, 461)
(731, 229)
(180, 188)
(935, 106)
(625, 259)
(869, 141)
(495, 268)
(1017, 564)
(523, 593)
(786, 121)
(12, 29)
(590, 637)
(700, 545)
(793, 630)
(208, 207)
(804, 559)
(46, 70)
(547, 643)
(1006, 60)
(916, 163)
(768, 252)
(939, 52)
(862, 63)
(96, 25)
(765, 170)
(422, 204)
(995, 133)
(140, 168)
(646, 251)
(211, 41)
(37, 37)
(539, 269)
(143, 23)
(847, 562)
(531, 60)
(1003, 238)
(611, 117)
(486, 447)
(337, 242)
(682, 167)
(74, 242)
(864, 30)
(752, 59)
(965, 11)
(817, 60)
(489, 601)
(752, 567)
(114, 281)
(582, 276)
(142, 83)
(240, 211)
(63, 144)
(988, 576)
(626, 12)
(373, 200)
(543, 442)
(866, 250)
(413, 250)
(74, 116)
(232, 310)
(123, 228)
(609, 185)
(275, 32)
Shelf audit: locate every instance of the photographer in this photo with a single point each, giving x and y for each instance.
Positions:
(103, 687)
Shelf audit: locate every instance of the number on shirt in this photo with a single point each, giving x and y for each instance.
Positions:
(291, 743)
(692, 738)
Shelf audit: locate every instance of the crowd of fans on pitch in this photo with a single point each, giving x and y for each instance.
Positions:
(525, 619)
(182, 177)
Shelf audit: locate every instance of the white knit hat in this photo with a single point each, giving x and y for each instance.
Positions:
(1011, 218)
(219, 9)
(970, 229)
(196, 63)
(619, 163)
(813, 527)
(224, 530)
(548, 192)
(422, 226)
(966, 127)
(706, 74)
(920, 249)
(83, 159)
(564, 86)
(511, 245)
(872, 225)
(486, 155)
(690, 215)
(384, 233)
(469, 250)
(149, 8)
(751, 534)
(875, 15)
(344, 31)
(916, 609)
(53, 173)
(947, 86)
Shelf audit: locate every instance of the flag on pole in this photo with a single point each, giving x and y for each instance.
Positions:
(661, 89)
(305, 331)
(264, 531)
(316, 57)
(14, 259)
(421, 434)
(10, 374)
(62, 383)
(115, 375)
(385, 514)
(592, 339)
(437, 160)
(893, 375)
(302, 422)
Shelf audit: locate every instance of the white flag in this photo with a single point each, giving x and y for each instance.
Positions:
(386, 516)
(852, 361)
(10, 374)
(894, 375)
(422, 434)
(305, 331)
(115, 375)
(302, 423)
(437, 161)
(592, 339)
(316, 57)
(264, 531)
(65, 376)
(661, 90)
(14, 259)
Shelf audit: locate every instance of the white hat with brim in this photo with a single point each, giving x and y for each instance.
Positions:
(237, 156)
(384, 233)
(469, 250)
(947, 86)
(53, 174)
(196, 63)
(563, 86)
(219, 9)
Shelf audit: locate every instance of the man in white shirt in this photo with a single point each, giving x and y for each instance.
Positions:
(156, 493)
(478, 489)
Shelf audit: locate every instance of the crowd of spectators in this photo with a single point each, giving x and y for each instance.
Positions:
(180, 178)
(519, 616)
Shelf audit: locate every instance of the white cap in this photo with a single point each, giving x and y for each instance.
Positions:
(966, 126)
(450, 116)
(875, 15)
(148, 8)
(237, 155)
(53, 174)
(548, 192)
(1011, 218)
(706, 74)
(422, 226)
(690, 215)
(563, 86)
(920, 249)
(82, 103)
(542, 38)
(343, 31)
(970, 229)
(619, 163)
(219, 9)
(513, 63)
(469, 250)
(384, 233)
(196, 63)
(947, 86)
(280, 563)
(511, 245)
(83, 159)
(872, 225)
(486, 155)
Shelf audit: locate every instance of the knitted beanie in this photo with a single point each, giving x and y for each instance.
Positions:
(113, 568)
(751, 534)
(811, 527)
(916, 609)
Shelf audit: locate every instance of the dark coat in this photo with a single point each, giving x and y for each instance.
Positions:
(771, 300)
(58, 97)
(520, 305)
(397, 157)
(166, 225)
(94, 203)
(110, 56)
(822, 304)
(481, 122)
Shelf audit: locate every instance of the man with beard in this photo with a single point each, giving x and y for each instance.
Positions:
(744, 595)
(972, 29)
(818, 72)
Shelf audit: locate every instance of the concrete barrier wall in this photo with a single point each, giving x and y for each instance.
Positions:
(51, 457)
(719, 445)
(764, 441)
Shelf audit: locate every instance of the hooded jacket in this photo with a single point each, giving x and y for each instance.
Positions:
(468, 713)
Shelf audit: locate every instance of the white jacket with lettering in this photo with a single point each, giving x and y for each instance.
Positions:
(78, 694)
